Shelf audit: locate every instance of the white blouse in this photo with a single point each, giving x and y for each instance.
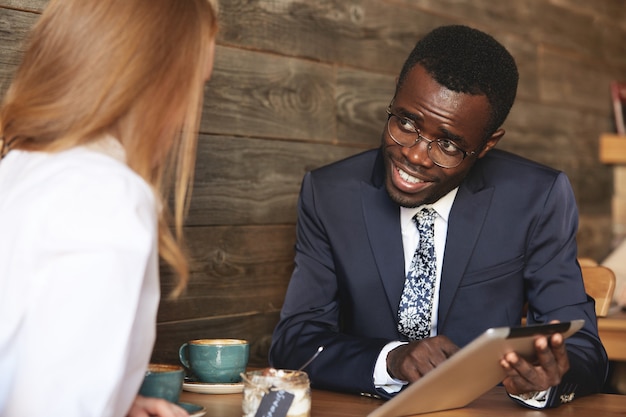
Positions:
(79, 285)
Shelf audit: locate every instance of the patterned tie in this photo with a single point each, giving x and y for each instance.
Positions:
(414, 313)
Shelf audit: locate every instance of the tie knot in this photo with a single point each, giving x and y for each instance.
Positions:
(425, 216)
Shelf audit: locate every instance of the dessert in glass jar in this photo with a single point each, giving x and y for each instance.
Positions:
(275, 389)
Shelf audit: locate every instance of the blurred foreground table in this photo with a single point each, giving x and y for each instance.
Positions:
(494, 403)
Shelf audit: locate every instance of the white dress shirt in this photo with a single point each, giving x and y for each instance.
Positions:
(79, 286)
(410, 240)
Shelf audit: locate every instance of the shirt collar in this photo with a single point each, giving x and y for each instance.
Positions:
(441, 206)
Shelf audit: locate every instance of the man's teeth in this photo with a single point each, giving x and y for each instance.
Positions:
(406, 177)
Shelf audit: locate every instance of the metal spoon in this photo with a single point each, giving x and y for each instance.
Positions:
(319, 350)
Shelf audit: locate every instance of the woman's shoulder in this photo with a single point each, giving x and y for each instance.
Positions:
(75, 173)
(75, 186)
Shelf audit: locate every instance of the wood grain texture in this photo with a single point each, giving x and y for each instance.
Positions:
(14, 26)
(573, 81)
(558, 137)
(370, 34)
(253, 181)
(362, 98)
(262, 95)
(25, 5)
(234, 269)
(557, 23)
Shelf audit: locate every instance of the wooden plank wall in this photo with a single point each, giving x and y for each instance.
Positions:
(298, 84)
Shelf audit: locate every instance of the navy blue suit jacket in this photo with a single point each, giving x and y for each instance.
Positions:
(511, 239)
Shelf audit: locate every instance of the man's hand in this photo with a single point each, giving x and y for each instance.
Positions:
(551, 364)
(412, 361)
(146, 407)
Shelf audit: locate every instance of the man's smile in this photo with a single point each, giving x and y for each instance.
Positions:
(408, 182)
(405, 176)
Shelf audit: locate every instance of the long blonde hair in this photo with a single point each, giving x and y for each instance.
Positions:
(131, 68)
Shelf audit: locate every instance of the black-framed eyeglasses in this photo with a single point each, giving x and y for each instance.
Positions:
(445, 153)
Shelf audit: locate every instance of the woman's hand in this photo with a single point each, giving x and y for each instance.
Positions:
(147, 407)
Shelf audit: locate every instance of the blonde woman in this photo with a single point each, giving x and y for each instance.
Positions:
(100, 120)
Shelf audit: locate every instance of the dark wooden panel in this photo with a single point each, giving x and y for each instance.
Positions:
(548, 132)
(612, 48)
(31, 5)
(257, 328)
(593, 237)
(14, 26)
(566, 139)
(576, 155)
(253, 181)
(233, 269)
(560, 27)
(559, 24)
(605, 9)
(370, 34)
(525, 54)
(566, 81)
(362, 98)
(265, 95)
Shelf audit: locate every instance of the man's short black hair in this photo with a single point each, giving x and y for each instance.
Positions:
(469, 61)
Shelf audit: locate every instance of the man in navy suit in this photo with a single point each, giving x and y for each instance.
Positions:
(504, 237)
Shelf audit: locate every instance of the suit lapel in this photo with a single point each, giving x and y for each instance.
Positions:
(466, 219)
(382, 219)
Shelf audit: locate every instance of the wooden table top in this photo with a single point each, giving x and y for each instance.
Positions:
(494, 403)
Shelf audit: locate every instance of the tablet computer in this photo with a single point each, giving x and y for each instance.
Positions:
(470, 372)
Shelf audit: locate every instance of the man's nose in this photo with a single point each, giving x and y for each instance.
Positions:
(418, 153)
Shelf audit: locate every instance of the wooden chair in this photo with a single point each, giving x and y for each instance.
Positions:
(587, 262)
(599, 284)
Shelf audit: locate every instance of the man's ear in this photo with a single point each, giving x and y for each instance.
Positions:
(491, 143)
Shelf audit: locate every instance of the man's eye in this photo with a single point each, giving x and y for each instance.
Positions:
(448, 146)
(406, 125)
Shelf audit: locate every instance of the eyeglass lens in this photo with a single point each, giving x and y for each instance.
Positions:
(441, 152)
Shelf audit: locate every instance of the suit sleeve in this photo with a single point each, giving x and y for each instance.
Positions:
(556, 291)
(311, 314)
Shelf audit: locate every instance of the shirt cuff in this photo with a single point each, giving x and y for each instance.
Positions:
(536, 399)
(382, 379)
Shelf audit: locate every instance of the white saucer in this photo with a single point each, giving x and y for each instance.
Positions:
(194, 410)
(207, 388)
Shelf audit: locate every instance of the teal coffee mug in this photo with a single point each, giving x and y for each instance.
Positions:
(215, 361)
(163, 381)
